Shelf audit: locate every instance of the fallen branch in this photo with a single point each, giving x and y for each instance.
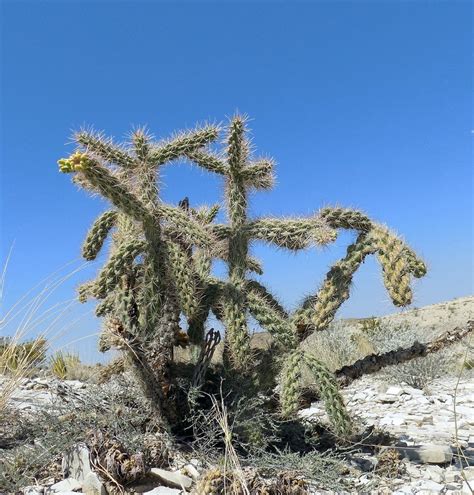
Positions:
(375, 362)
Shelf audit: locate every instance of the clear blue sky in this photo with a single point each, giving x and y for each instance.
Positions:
(365, 104)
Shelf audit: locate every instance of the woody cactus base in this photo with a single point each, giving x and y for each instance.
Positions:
(159, 269)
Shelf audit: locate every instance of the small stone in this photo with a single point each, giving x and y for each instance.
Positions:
(173, 478)
(394, 391)
(191, 471)
(32, 490)
(413, 471)
(430, 486)
(76, 464)
(67, 485)
(435, 473)
(468, 473)
(163, 490)
(430, 454)
(387, 399)
(451, 476)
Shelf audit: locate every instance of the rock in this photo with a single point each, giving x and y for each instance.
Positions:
(172, 478)
(67, 485)
(394, 391)
(32, 490)
(76, 464)
(430, 454)
(451, 476)
(468, 473)
(163, 490)
(429, 486)
(191, 471)
(413, 471)
(435, 473)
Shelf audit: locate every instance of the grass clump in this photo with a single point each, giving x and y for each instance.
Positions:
(62, 364)
(27, 355)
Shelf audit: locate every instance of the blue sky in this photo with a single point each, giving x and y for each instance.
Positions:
(364, 104)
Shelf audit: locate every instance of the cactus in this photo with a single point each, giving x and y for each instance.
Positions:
(161, 259)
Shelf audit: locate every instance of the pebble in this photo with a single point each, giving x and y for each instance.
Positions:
(173, 478)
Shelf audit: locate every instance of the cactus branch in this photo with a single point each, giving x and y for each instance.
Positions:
(296, 234)
(97, 234)
(105, 149)
(329, 392)
(182, 145)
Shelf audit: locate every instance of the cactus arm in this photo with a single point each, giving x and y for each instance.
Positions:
(182, 270)
(208, 161)
(335, 289)
(182, 145)
(104, 181)
(85, 291)
(271, 319)
(329, 392)
(141, 144)
(117, 266)
(396, 270)
(234, 308)
(416, 266)
(185, 226)
(104, 148)
(259, 174)
(106, 306)
(290, 378)
(196, 323)
(254, 265)
(291, 233)
(97, 235)
(234, 315)
(221, 231)
(346, 218)
(262, 292)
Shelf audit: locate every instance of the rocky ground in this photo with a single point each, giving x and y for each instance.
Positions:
(432, 430)
(429, 432)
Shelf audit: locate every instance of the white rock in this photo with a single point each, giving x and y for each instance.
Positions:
(67, 485)
(431, 454)
(430, 486)
(190, 470)
(173, 478)
(32, 490)
(451, 475)
(435, 473)
(163, 490)
(468, 472)
(394, 390)
(76, 464)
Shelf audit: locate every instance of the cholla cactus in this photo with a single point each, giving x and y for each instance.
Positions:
(175, 247)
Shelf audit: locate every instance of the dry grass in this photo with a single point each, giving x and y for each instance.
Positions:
(28, 327)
